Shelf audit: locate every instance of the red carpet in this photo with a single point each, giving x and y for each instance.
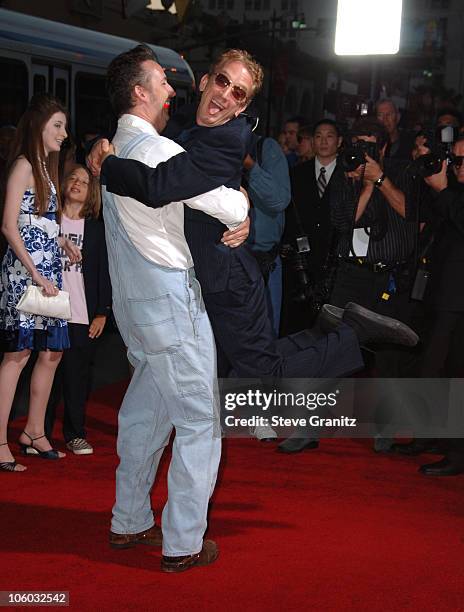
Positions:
(335, 529)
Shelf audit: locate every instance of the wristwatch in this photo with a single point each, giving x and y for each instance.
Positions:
(379, 181)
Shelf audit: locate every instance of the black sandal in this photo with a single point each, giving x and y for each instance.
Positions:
(29, 449)
(8, 466)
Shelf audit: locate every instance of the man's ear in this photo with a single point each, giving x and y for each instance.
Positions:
(139, 92)
(382, 150)
(339, 142)
(203, 82)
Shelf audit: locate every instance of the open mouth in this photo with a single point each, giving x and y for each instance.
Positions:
(214, 107)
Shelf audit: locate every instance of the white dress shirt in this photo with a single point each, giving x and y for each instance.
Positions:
(158, 233)
(328, 169)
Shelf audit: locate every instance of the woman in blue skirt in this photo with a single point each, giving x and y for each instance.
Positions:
(31, 207)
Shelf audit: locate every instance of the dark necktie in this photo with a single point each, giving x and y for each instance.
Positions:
(321, 182)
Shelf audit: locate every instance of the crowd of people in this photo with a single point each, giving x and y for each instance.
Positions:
(225, 251)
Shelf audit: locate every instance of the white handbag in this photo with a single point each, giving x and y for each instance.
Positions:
(35, 302)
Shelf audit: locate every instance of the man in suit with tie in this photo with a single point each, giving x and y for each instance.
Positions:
(309, 215)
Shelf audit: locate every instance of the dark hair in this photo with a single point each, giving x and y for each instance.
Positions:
(370, 126)
(123, 74)
(330, 122)
(305, 130)
(450, 111)
(297, 119)
(92, 205)
(386, 101)
(29, 143)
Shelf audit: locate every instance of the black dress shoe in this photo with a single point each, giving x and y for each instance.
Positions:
(296, 445)
(330, 317)
(444, 467)
(417, 447)
(371, 327)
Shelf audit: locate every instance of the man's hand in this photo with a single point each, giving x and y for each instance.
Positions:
(373, 171)
(438, 181)
(100, 151)
(248, 162)
(236, 237)
(356, 174)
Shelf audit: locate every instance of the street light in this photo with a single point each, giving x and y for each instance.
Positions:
(368, 27)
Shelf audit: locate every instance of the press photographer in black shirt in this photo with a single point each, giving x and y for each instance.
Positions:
(445, 292)
(373, 211)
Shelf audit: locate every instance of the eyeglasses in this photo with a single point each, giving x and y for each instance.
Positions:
(458, 160)
(221, 81)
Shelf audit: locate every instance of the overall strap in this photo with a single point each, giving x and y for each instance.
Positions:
(132, 144)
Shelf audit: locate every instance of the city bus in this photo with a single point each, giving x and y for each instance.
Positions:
(39, 55)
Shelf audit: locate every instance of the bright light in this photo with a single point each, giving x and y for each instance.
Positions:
(368, 27)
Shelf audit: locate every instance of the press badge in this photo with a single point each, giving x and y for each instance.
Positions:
(360, 241)
(302, 244)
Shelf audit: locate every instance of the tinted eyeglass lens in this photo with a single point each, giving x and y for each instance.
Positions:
(458, 160)
(223, 82)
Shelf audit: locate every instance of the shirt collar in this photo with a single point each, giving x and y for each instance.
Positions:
(128, 120)
(328, 168)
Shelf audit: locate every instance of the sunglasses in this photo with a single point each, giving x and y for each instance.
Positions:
(221, 81)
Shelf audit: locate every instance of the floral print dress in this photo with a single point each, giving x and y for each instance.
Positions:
(19, 330)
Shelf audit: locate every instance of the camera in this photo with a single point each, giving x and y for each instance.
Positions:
(298, 261)
(353, 154)
(440, 141)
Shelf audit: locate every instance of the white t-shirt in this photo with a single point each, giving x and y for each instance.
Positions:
(73, 279)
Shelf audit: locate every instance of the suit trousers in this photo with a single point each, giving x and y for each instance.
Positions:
(246, 343)
(163, 322)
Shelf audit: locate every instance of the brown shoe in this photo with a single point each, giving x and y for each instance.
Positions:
(207, 555)
(150, 537)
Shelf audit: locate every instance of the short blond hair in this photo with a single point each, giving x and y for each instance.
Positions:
(240, 55)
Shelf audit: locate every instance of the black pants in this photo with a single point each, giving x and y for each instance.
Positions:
(362, 285)
(247, 347)
(443, 357)
(72, 383)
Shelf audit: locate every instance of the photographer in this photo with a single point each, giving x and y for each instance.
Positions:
(375, 222)
(445, 293)
(373, 209)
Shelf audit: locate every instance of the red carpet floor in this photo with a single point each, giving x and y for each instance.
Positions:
(335, 529)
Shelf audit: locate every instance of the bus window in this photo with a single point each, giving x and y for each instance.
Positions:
(40, 83)
(61, 91)
(179, 99)
(14, 91)
(92, 107)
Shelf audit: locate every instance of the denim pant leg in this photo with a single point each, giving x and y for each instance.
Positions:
(165, 327)
(143, 433)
